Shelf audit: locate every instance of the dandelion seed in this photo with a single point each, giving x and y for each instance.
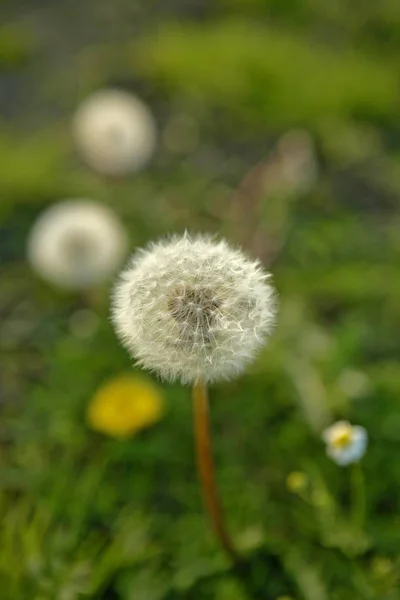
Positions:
(76, 244)
(191, 308)
(195, 309)
(114, 132)
(346, 443)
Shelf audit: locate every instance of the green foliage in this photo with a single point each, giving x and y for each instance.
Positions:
(32, 170)
(266, 76)
(15, 47)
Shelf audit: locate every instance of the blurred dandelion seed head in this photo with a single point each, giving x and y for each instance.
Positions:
(114, 132)
(76, 244)
(124, 406)
(191, 307)
(345, 443)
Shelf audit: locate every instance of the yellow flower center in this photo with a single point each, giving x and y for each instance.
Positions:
(343, 438)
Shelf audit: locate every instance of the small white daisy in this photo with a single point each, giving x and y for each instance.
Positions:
(193, 308)
(345, 443)
(76, 244)
(114, 132)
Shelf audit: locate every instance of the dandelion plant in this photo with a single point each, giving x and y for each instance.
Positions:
(197, 310)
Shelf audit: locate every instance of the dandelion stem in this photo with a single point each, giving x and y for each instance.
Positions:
(205, 465)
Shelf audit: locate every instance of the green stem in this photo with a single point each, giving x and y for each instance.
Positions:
(252, 573)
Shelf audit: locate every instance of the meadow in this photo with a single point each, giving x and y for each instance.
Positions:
(277, 128)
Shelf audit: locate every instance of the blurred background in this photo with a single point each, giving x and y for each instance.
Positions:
(276, 125)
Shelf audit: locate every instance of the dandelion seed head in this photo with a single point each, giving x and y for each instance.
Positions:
(76, 244)
(190, 308)
(114, 132)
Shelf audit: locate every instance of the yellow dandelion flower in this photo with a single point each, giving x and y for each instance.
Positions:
(124, 406)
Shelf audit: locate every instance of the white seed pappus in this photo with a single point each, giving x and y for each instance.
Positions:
(192, 308)
(76, 244)
(114, 132)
